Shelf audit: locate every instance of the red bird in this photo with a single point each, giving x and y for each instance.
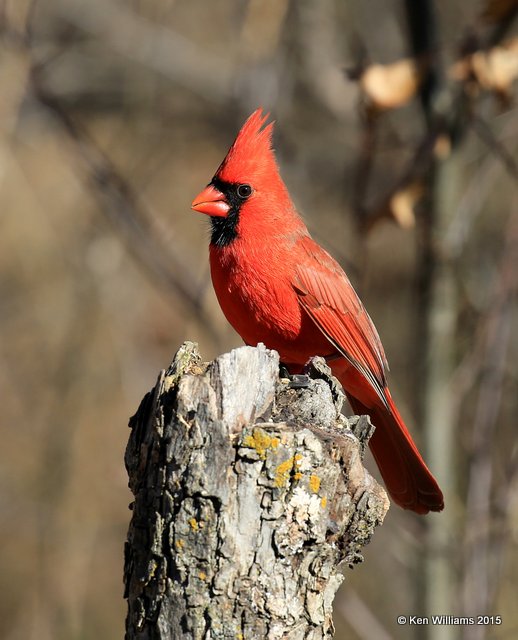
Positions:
(276, 285)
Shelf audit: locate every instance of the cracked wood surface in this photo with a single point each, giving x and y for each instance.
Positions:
(251, 500)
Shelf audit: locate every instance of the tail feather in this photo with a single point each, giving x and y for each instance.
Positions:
(407, 478)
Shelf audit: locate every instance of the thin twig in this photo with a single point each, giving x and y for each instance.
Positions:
(474, 197)
(484, 132)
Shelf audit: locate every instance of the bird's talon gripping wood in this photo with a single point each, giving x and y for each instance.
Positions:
(284, 372)
(299, 381)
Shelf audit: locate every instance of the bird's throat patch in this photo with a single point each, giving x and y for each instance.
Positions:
(224, 230)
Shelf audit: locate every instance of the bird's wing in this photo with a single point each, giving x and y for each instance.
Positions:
(325, 293)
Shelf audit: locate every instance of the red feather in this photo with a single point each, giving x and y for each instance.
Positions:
(276, 285)
(407, 478)
(328, 297)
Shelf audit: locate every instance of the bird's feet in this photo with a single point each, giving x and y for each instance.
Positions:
(296, 380)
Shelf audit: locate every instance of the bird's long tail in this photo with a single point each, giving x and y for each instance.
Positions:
(407, 478)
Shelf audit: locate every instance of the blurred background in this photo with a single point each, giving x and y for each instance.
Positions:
(397, 134)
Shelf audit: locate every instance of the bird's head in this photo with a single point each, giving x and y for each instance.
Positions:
(247, 188)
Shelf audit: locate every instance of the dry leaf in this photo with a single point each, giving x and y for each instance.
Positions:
(442, 146)
(402, 204)
(493, 70)
(497, 68)
(389, 86)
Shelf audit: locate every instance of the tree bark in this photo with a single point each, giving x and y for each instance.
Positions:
(250, 499)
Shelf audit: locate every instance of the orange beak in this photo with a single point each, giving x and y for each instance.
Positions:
(212, 202)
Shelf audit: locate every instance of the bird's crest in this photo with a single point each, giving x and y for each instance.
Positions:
(251, 155)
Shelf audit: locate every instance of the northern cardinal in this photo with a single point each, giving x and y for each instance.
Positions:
(276, 285)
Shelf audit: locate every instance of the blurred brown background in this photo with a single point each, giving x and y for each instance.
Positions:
(113, 115)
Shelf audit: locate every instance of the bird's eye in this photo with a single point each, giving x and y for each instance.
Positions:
(244, 191)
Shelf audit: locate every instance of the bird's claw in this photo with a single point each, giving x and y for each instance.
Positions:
(296, 380)
(299, 381)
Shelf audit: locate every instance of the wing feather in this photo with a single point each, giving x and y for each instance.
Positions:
(325, 293)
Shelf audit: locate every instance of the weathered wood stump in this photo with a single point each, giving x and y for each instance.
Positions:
(250, 499)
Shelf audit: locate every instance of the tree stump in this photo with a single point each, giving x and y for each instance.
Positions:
(250, 500)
